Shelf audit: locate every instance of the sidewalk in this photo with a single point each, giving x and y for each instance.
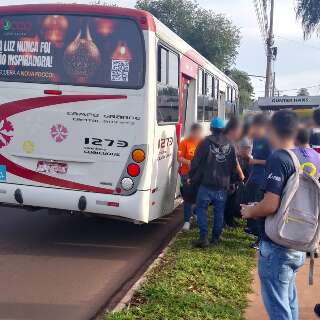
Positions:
(308, 295)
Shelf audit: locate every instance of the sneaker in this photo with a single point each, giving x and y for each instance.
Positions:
(186, 226)
(255, 245)
(316, 255)
(248, 231)
(214, 242)
(201, 243)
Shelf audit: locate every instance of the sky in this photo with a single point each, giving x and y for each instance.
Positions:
(298, 62)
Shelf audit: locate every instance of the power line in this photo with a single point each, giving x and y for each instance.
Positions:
(293, 89)
(261, 14)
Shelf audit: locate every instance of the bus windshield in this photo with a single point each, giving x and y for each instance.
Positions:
(72, 50)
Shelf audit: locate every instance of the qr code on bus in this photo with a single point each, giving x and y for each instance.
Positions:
(120, 70)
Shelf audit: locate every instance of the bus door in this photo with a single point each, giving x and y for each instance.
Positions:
(185, 87)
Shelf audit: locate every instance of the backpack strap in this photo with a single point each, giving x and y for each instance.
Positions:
(294, 158)
(311, 268)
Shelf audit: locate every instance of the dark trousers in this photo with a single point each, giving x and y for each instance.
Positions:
(230, 210)
(254, 194)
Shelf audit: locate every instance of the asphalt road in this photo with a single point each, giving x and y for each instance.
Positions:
(70, 267)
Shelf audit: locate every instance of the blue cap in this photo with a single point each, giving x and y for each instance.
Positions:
(217, 123)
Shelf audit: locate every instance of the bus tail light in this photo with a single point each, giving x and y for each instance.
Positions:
(127, 184)
(129, 180)
(133, 170)
(138, 155)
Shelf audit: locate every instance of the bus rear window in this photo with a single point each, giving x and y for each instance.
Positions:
(71, 49)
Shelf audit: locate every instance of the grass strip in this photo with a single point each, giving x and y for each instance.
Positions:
(192, 284)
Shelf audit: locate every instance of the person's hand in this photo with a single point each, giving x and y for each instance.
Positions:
(242, 177)
(247, 211)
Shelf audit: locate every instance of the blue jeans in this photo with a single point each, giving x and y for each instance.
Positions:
(218, 199)
(187, 209)
(277, 271)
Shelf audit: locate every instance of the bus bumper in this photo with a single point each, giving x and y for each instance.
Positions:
(135, 207)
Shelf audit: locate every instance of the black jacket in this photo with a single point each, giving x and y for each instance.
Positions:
(214, 163)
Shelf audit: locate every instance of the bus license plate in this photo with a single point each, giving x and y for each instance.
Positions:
(52, 167)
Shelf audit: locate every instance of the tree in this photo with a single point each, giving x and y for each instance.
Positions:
(213, 35)
(309, 13)
(303, 92)
(246, 90)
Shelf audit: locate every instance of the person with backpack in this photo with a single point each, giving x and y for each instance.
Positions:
(308, 157)
(310, 164)
(186, 151)
(279, 259)
(212, 167)
(315, 132)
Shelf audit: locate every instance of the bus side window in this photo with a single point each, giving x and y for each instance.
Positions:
(162, 65)
(211, 107)
(167, 86)
(201, 90)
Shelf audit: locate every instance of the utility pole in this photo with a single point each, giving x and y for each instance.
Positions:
(273, 84)
(270, 42)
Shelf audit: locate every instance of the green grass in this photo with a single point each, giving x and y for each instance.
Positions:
(192, 284)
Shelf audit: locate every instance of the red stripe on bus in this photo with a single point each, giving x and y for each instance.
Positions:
(11, 108)
(25, 173)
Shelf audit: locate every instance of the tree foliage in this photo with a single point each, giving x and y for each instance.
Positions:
(309, 13)
(246, 90)
(303, 92)
(213, 35)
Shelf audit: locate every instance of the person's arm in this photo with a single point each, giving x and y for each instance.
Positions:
(268, 206)
(274, 184)
(256, 161)
(181, 152)
(235, 167)
(239, 171)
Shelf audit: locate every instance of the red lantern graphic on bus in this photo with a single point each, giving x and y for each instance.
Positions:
(55, 28)
(122, 52)
(104, 27)
(82, 57)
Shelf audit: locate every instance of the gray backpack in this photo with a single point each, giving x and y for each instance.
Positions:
(296, 224)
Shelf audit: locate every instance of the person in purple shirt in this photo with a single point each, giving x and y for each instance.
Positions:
(308, 157)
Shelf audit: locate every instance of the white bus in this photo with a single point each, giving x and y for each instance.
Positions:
(93, 103)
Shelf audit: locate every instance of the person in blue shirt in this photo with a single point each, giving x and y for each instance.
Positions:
(277, 265)
(261, 151)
